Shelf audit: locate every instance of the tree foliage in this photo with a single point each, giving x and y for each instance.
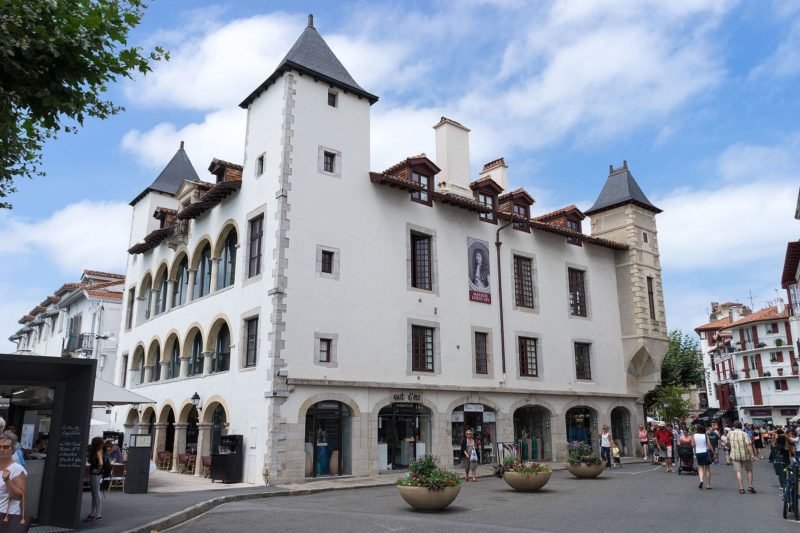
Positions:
(670, 401)
(682, 364)
(57, 60)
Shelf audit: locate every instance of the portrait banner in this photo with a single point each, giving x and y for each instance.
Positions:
(478, 271)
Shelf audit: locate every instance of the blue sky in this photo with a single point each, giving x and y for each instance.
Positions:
(699, 97)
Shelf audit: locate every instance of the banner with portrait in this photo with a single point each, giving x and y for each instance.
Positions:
(478, 271)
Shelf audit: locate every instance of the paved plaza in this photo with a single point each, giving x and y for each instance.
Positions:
(636, 498)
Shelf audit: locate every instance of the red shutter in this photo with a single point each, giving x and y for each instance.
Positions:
(746, 367)
(755, 336)
(784, 385)
(788, 333)
(741, 337)
(791, 362)
(779, 357)
(757, 393)
(758, 365)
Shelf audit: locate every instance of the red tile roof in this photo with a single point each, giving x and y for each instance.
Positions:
(762, 315)
(104, 294)
(715, 325)
(98, 273)
(572, 208)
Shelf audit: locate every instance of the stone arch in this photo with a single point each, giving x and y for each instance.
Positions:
(145, 419)
(185, 409)
(532, 424)
(470, 399)
(198, 249)
(166, 409)
(132, 417)
(534, 402)
(328, 397)
(216, 325)
(388, 401)
(172, 337)
(138, 357)
(148, 276)
(620, 417)
(161, 271)
(587, 432)
(173, 269)
(227, 227)
(152, 351)
(194, 329)
(211, 404)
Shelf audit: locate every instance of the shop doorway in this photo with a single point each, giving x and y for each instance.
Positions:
(404, 434)
(192, 431)
(328, 439)
(582, 425)
(218, 423)
(532, 433)
(169, 443)
(621, 430)
(481, 419)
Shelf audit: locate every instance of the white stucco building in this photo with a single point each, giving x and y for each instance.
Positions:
(80, 319)
(345, 321)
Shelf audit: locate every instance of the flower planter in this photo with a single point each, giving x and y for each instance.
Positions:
(585, 471)
(425, 499)
(526, 482)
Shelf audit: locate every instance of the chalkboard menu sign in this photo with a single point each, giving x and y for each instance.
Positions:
(71, 450)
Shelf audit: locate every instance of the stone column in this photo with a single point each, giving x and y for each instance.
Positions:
(214, 272)
(203, 446)
(180, 444)
(164, 370)
(154, 302)
(558, 434)
(140, 311)
(190, 289)
(132, 374)
(170, 293)
(159, 439)
(207, 363)
(148, 373)
(184, 367)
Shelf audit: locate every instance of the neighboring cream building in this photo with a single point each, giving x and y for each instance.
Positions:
(345, 321)
(79, 319)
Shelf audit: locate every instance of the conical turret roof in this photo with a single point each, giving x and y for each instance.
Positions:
(312, 55)
(620, 189)
(169, 180)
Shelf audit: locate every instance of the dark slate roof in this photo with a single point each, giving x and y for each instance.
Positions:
(169, 181)
(620, 189)
(311, 55)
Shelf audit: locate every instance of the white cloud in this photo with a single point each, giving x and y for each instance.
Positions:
(785, 60)
(746, 162)
(17, 301)
(83, 235)
(220, 134)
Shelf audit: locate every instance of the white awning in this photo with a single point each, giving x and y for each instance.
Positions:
(106, 393)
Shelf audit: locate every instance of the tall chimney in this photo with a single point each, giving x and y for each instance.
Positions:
(780, 307)
(498, 171)
(452, 156)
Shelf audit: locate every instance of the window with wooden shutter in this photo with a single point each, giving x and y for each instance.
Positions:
(577, 292)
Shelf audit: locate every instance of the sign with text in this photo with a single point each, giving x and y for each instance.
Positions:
(410, 396)
(71, 450)
(760, 412)
(478, 271)
(473, 408)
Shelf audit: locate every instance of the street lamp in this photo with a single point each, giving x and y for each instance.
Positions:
(196, 401)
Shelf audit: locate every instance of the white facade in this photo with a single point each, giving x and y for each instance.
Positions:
(320, 208)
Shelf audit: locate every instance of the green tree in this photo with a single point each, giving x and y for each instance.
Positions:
(57, 59)
(682, 364)
(669, 401)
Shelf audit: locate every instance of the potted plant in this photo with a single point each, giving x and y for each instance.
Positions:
(524, 477)
(780, 371)
(778, 342)
(582, 462)
(427, 487)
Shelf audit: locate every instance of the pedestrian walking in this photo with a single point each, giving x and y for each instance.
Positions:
(469, 456)
(780, 455)
(742, 454)
(758, 442)
(664, 443)
(606, 440)
(643, 441)
(714, 438)
(702, 452)
(725, 445)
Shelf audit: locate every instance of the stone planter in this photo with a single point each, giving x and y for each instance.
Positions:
(585, 471)
(526, 482)
(425, 499)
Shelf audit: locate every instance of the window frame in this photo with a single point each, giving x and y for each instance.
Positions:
(328, 161)
(521, 282)
(196, 359)
(226, 268)
(422, 336)
(255, 241)
(332, 340)
(651, 298)
(425, 196)
(181, 294)
(335, 96)
(579, 364)
(326, 261)
(128, 310)
(260, 162)
(523, 211)
(221, 360)
(487, 199)
(481, 352)
(202, 275)
(251, 341)
(325, 348)
(524, 356)
(577, 293)
(421, 264)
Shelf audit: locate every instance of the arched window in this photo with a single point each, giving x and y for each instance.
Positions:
(202, 280)
(222, 351)
(141, 369)
(161, 302)
(182, 283)
(157, 365)
(174, 361)
(196, 358)
(227, 262)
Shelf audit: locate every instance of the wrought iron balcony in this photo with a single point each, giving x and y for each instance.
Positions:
(79, 343)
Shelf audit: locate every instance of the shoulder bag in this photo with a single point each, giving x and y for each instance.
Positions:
(13, 523)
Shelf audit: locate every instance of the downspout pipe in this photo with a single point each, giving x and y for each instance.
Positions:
(498, 244)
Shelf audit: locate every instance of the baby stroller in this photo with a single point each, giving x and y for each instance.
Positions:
(686, 459)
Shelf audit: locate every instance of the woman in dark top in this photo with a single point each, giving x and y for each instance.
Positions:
(780, 455)
(96, 478)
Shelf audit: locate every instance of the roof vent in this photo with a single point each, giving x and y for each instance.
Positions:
(310, 20)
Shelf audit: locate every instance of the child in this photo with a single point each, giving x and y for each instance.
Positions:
(617, 460)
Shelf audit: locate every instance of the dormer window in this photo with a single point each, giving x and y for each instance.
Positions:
(520, 210)
(574, 225)
(489, 201)
(423, 196)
